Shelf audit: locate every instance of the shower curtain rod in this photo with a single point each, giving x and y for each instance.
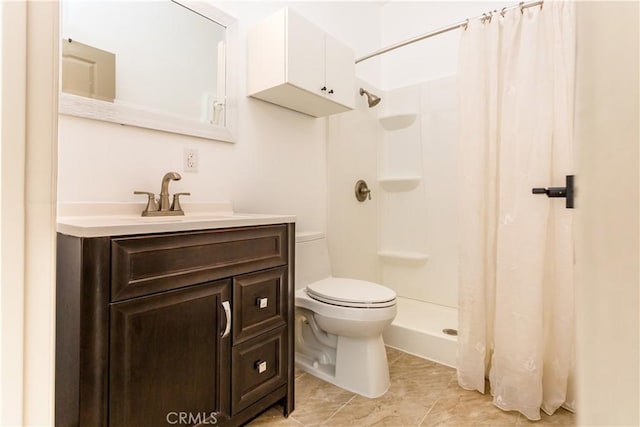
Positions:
(521, 6)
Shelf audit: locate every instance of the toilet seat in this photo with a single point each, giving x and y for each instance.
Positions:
(351, 293)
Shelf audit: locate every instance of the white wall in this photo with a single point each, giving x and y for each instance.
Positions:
(28, 105)
(607, 212)
(277, 165)
(428, 59)
(12, 209)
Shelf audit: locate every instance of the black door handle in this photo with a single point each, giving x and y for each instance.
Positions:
(566, 192)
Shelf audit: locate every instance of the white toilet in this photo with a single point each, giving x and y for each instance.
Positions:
(339, 322)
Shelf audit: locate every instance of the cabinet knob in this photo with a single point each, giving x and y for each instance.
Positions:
(262, 302)
(261, 366)
(323, 89)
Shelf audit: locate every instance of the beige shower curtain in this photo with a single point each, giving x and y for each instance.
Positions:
(516, 303)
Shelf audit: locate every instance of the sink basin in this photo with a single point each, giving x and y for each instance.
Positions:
(158, 219)
(192, 218)
(115, 219)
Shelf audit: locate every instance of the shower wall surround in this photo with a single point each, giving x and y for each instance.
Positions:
(352, 155)
(417, 173)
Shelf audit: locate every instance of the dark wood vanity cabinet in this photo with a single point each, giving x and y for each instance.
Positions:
(143, 337)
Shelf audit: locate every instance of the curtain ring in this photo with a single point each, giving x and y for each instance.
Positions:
(521, 4)
(484, 18)
(466, 24)
(502, 12)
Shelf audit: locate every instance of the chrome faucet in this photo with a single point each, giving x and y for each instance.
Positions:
(161, 207)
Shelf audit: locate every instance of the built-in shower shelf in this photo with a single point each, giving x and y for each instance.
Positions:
(397, 121)
(413, 257)
(399, 183)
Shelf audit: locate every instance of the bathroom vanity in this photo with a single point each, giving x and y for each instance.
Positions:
(159, 321)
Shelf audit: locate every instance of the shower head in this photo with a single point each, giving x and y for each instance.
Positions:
(372, 99)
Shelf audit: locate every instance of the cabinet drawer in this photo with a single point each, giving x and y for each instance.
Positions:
(258, 367)
(260, 303)
(144, 265)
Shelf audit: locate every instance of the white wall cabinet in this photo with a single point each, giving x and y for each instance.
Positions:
(294, 64)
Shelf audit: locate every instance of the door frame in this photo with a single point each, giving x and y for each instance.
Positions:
(28, 180)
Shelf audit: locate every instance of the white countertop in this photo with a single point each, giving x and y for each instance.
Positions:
(117, 219)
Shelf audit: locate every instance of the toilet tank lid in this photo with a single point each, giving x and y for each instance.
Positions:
(307, 236)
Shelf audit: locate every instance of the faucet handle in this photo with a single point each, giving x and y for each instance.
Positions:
(151, 203)
(175, 205)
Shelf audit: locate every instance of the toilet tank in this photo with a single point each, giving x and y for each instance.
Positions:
(312, 258)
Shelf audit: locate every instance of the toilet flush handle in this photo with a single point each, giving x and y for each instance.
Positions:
(362, 190)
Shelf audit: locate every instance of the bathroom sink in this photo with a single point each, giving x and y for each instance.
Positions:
(159, 219)
(192, 218)
(111, 219)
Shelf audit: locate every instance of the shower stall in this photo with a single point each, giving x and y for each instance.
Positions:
(405, 144)
(405, 147)
(411, 232)
(417, 235)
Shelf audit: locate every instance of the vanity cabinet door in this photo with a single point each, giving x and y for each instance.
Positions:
(168, 356)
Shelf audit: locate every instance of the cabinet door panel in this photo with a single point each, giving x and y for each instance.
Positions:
(305, 54)
(340, 72)
(167, 355)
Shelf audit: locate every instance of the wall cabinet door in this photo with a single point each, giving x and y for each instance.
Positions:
(340, 72)
(305, 55)
(167, 356)
(318, 62)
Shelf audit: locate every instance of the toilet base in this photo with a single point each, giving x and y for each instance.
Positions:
(361, 366)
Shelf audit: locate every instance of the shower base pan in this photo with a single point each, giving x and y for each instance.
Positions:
(418, 329)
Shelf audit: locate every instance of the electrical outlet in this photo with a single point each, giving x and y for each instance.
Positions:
(190, 160)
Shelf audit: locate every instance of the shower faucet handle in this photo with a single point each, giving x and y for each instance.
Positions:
(362, 191)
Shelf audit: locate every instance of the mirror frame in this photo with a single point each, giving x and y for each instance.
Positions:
(90, 108)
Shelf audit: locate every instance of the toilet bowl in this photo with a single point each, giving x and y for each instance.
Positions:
(339, 322)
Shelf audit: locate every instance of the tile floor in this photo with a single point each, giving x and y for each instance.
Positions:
(422, 393)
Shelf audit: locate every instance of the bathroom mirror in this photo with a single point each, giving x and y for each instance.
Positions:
(165, 65)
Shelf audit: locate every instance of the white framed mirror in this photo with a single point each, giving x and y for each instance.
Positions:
(164, 65)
